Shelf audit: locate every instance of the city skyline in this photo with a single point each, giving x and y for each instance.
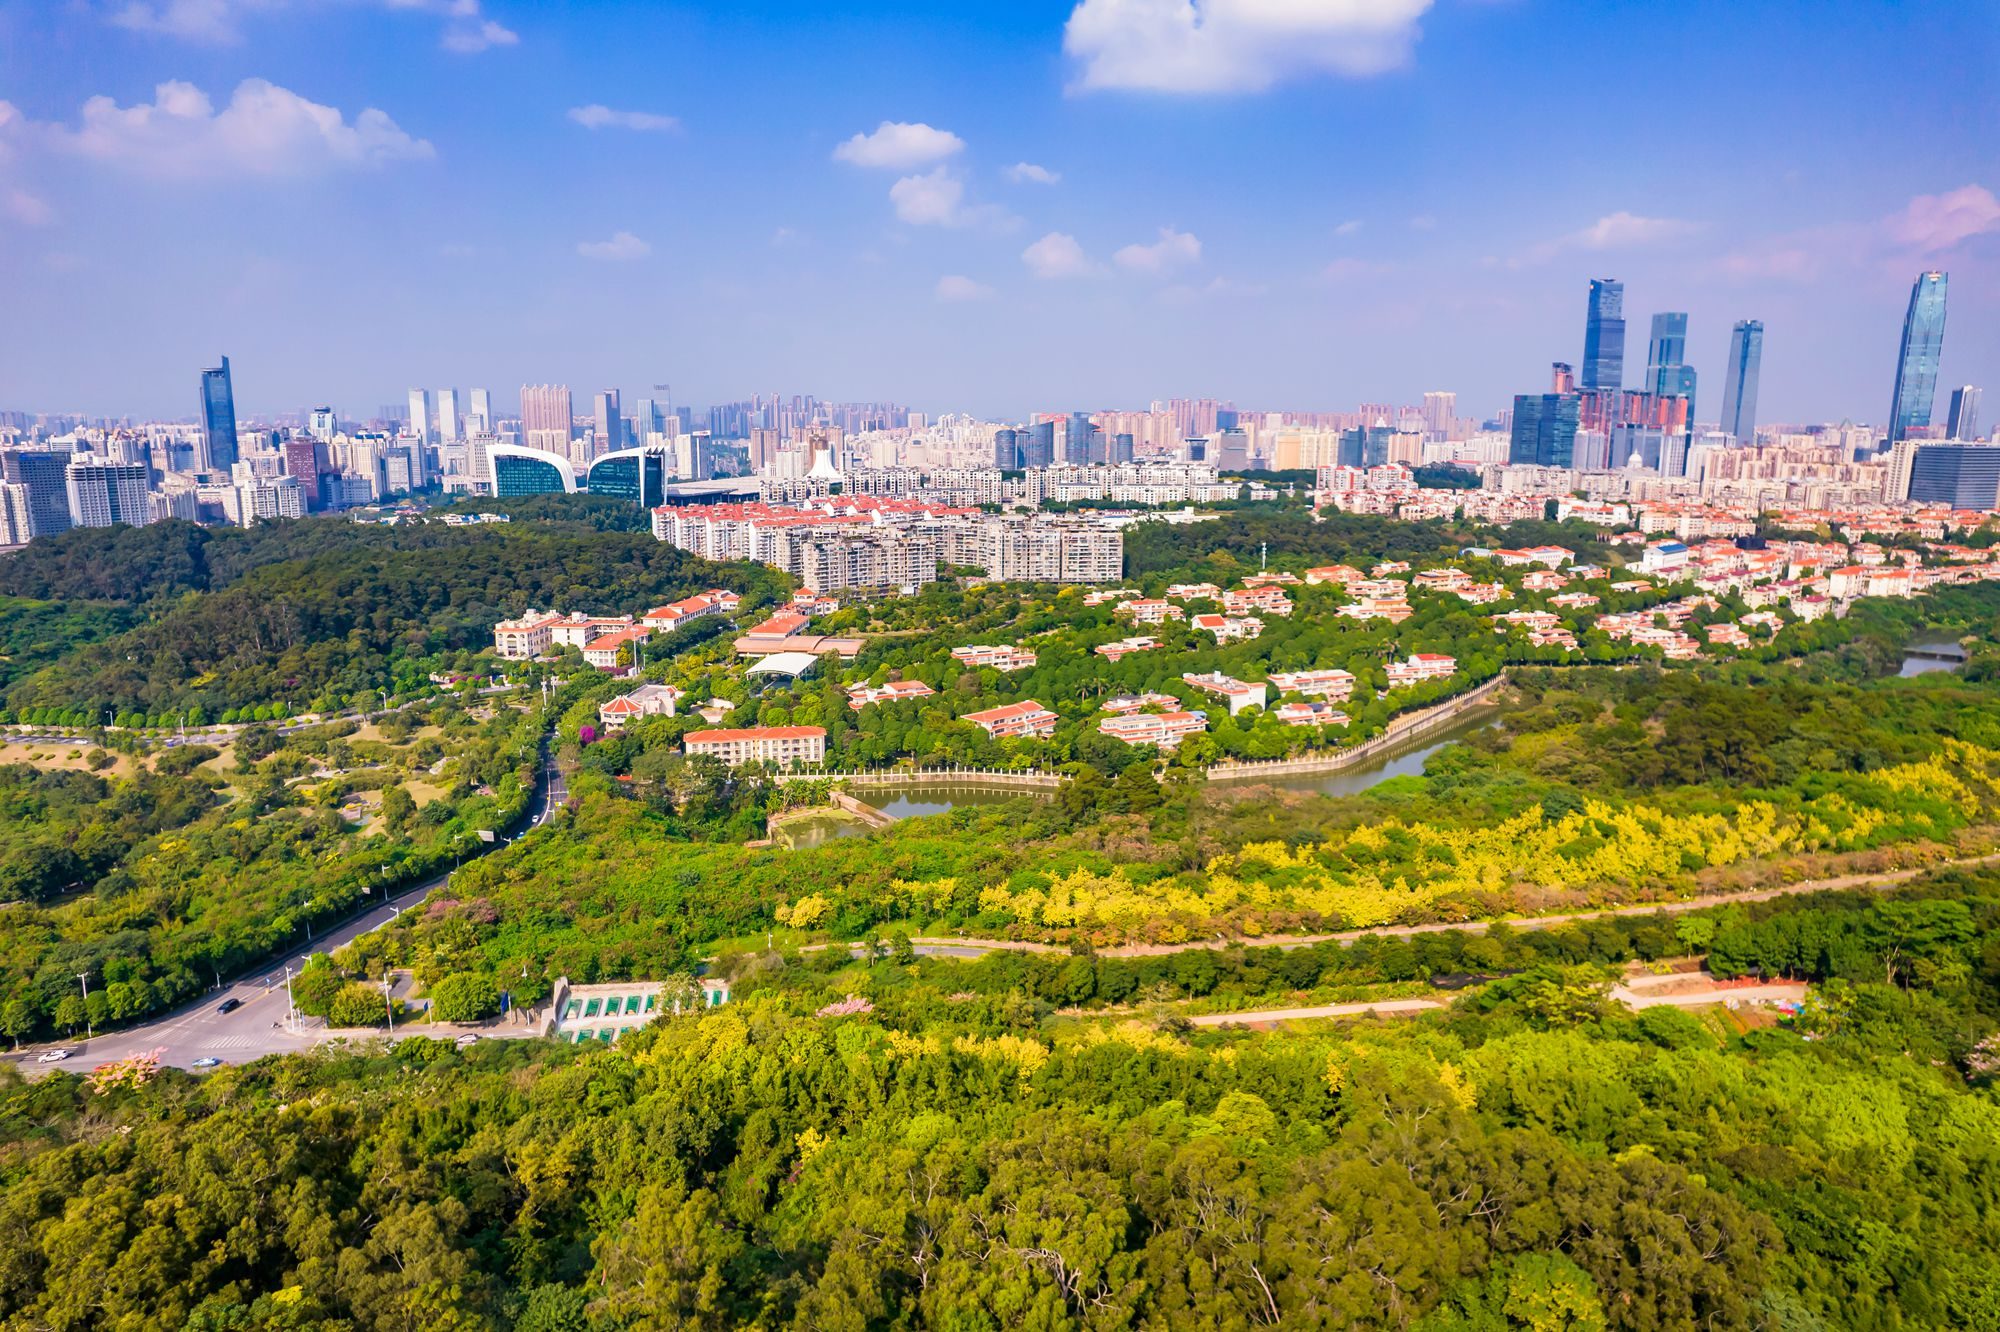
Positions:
(999, 210)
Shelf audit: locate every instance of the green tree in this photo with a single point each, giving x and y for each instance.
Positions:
(464, 997)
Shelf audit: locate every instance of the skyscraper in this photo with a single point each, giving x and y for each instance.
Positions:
(1006, 451)
(1917, 361)
(448, 423)
(1440, 414)
(420, 415)
(545, 407)
(1038, 448)
(41, 473)
(1964, 420)
(324, 424)
(1965, 476)
(1667, 372)
(218, 419)
(1545, 426)
(1079, 439)
(480, 413)
(610, 422)
(1604, 336)
(1739, 380)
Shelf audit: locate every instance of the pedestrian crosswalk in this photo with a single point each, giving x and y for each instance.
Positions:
(228, 1043)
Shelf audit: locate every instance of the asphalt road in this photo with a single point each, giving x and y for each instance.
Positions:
(258, 1027)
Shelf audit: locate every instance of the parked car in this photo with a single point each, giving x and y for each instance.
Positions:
(230, 1005)
(207, 1061)
(52, 1057)
(466, 1040)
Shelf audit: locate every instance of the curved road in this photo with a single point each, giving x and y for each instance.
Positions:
(257, 1027)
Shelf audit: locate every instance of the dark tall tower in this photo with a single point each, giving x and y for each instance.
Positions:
(1739, 380)
(1668, 375)
(1917, 361)
(218, 419)
(1963, 423)
(1604, 336)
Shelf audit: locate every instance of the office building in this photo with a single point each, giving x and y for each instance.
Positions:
(1965, 476)
(218, 419)
(545, 407)
(420, 416)
(1917, 359)
(41, 474)
(323, 424)
(610, 423)
(449, 426)
(1739, 380)
(303, 463)
(639, 475)
(1963, 423)
(514, 470)
(1604, 335)
(1038, 449)
(1080, 440)
(1668, 375)
(103, 493)
(479, 415)
(1545, 426)
(1007, 450)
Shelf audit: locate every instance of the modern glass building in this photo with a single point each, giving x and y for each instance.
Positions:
(1007, 450)
(523, 471)
(1739, 380)
(218, 418)
(1917, 362)
(43, 473)
(1545, 427)
(1965, 476)
(1038, 449)
(1668, 374)
(1604, 336)
(639, 475)
(1963, 423)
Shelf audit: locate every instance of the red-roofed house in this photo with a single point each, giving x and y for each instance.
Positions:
(782, 745)
(1015, 719)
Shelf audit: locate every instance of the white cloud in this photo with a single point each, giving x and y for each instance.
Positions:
(1234, 46)
(1348, 228)
(1934, 223)
(619, 248)
(1614, 231)
(1171, 250)
(1057, 255)
(953, 287)
(264, 131)
(219, 22)
(470, 38)
(935, 198)
(27, 209)
(599, 116)
(899, 145)
(1022, 173)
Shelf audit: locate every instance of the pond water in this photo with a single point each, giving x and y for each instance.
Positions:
(919, 798)
(1925, 655)
(1398, 761)
(817, 830)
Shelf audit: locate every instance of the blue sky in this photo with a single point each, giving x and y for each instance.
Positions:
(1294, 203)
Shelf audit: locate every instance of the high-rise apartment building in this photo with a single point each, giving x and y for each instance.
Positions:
(103, 493)
(420, 416)
(41, 474)
(1739, 380)
(1667, 372)
(1917, 360)
(218, 419)
(545, 407)
(16, 529)
(449, 426)
(1963, 423)
(1604, 335)
(1440, 414)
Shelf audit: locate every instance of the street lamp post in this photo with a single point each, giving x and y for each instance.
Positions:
(83, 979)
(291, 1009)
(388, 1004)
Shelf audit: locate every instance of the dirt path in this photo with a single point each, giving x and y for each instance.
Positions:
(1876, 882)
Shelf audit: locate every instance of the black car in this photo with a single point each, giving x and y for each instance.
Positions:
(230, 1005)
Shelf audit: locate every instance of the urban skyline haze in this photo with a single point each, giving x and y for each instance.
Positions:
(996, 208)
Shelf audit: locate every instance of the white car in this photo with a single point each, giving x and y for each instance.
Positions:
(466, 1040)
(52, 1057)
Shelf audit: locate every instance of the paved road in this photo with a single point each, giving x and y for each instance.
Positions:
(1264, 1017)
(257, 1027)
(1779, 992)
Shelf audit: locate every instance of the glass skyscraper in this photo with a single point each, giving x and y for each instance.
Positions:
(1739, 380)
(1604, 336)
(1667, 372)
(1963, 423)
(1917, 362)
(218, 418)
(1965, 476)
(1545, 426)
